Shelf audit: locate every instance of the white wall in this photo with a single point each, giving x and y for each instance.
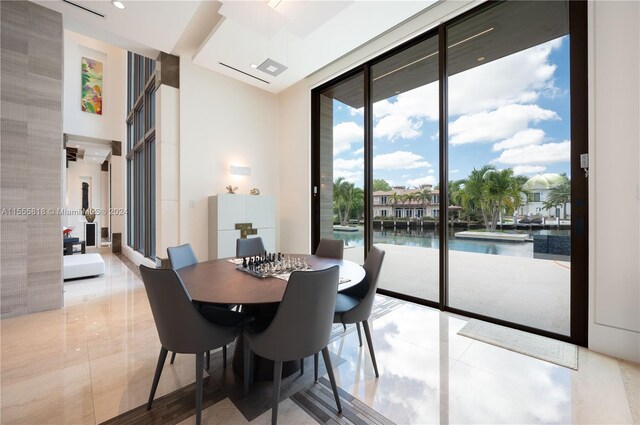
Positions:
(295, 175)
(614, 184)
(614, 146)
(223, 122)
(168, 169)
(77, 173)
(110, 125)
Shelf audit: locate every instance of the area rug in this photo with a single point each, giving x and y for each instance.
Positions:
(539, 347)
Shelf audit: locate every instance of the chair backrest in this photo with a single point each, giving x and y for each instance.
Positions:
(181, 256)
(302, 324)
(333, 248)
(367, 287)
(249, 247)
(180, 326)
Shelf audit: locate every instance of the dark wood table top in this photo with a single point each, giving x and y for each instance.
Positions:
(218, 281)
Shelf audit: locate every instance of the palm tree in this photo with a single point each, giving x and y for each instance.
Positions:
(492, 192)
(353, 196)
(504, 192)
(559, 195)
(339, 187)
(394, 197)
(424, 196)
(410, 197)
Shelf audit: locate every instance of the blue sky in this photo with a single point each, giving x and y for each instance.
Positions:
(512, 112)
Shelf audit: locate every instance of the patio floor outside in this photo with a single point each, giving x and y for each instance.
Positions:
(528, 291)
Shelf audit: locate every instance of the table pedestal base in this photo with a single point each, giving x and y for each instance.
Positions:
(262, 368)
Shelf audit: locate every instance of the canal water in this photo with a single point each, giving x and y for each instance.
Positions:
(428, 238)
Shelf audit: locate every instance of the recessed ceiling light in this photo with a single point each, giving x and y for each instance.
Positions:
(274, 3)
(118, 4)
(254, 66)
(481, 58)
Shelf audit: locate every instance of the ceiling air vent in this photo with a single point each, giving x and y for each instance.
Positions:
(242, 72)
(86, 9)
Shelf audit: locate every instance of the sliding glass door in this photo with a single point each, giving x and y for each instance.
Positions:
(458, 153)
(509, 145)
(339, 190)
(404, 104)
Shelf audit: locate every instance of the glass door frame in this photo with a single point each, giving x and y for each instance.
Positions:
(579, 285)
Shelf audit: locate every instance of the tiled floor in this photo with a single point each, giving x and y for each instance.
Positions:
(95, 359)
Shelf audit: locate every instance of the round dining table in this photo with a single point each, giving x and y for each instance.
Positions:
(220, 282)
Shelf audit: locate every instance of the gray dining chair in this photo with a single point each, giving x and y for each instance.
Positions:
(249, 247)
(300, 328)
(182, 328)
(332, 248)
(354, 304)
(183, 256)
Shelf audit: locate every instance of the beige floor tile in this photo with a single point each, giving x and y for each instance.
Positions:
(631, 380)
(61, 396)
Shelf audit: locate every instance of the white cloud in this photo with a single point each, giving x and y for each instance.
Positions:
(397, 126)
(356, 112)
(421, 180)
(502, 123)
(358, 151)
(348, 164)
(454, 171)
(431, 171)
(344, 134)
(349, 169)
(403, 118)
(537, 154)
(399, 160)
(530, 136)
(528, 169)
(517, 78)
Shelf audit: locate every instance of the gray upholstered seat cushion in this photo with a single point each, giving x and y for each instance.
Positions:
(345, 303)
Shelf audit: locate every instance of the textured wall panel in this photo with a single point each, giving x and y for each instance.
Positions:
(31, 59)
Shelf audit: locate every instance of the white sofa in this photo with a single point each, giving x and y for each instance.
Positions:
(83, 265)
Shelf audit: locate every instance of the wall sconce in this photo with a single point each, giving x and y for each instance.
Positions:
(236, 170)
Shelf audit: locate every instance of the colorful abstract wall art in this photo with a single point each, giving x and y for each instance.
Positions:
(91, 86)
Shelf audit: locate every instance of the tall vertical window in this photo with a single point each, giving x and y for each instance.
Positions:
(141, 154)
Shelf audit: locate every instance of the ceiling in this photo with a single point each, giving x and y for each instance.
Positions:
(303, 35)
(145, 26)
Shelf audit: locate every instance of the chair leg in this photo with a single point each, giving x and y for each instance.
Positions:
(332, 378)
(315, 367)
(247, 366)
(156, 378)
(224, 356)
(359, 333)
(277, 377)
(301, 367)
(208, 359)
(199, 365)
(367, 333)
(344, 326)
(173, 357)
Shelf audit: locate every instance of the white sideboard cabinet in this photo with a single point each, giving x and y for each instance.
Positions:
(229, 212)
